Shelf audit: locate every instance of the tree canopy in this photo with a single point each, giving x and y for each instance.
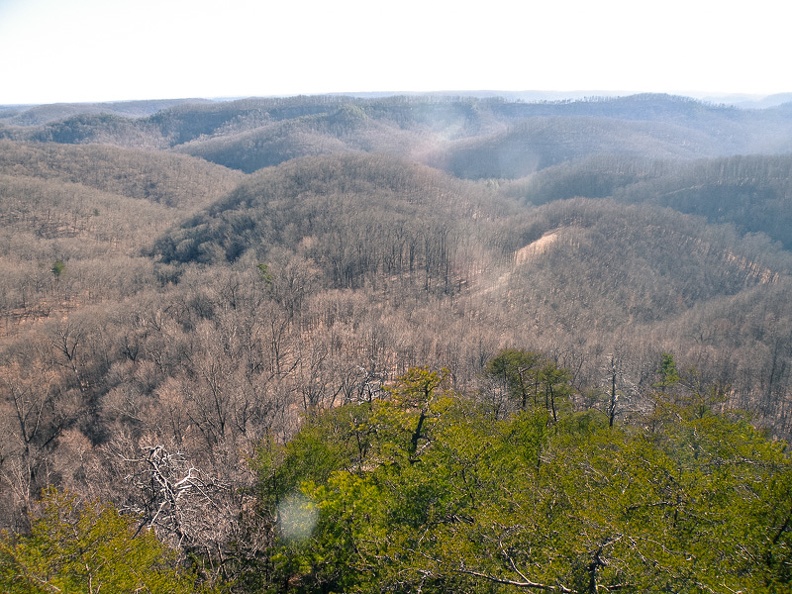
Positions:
(87, 546)
(441, 498)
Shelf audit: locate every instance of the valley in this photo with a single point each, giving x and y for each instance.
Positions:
(262, 296)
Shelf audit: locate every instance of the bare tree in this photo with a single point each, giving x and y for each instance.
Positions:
(185, 505)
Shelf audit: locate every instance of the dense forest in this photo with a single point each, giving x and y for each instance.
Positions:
(402, 344)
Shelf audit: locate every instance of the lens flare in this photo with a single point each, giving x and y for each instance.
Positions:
(297, 517)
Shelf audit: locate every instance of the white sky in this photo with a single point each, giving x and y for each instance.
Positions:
(104, 50)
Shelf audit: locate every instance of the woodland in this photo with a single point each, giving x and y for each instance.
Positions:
(331, 344)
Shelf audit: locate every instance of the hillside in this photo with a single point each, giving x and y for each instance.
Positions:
(43, 114)
(633, 264)
(750, 192)
(345, 130)
(539, 143)
(573, 275)
(75, 220)
(173, 180)
(358, 217)
(491, 137)
(400, 308)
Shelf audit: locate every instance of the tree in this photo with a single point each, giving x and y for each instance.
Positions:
(555, 382)
(613, 394)
(517, 373)
(576, 507)
(57, 268)
(530, 379)
(177, 498)
(87, 546)
(413, 407)
(667, 374)
(33, 416)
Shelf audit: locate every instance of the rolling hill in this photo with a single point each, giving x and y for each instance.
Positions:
(750, 192)
(227, 300)
(489, 136)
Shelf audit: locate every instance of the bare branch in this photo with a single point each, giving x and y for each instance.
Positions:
(528, 584)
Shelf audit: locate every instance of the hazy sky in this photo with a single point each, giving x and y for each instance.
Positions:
(102, 50)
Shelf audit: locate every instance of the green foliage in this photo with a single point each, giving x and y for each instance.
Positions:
(518, 371)
(476, 505)
(530, 380)
(405, 422)
(76, 546)
(58, 267)
(667, 373)
(264, 273)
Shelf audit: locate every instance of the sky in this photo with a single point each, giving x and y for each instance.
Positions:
(111, 50)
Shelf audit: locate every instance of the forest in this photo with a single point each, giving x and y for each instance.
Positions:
(396, 344)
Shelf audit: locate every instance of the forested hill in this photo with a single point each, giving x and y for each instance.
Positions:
(477, 137)
(751, 192)
(173, 180)
(358, 217)
(436, 329)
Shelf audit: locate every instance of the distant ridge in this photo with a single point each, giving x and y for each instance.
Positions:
(144, 107)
